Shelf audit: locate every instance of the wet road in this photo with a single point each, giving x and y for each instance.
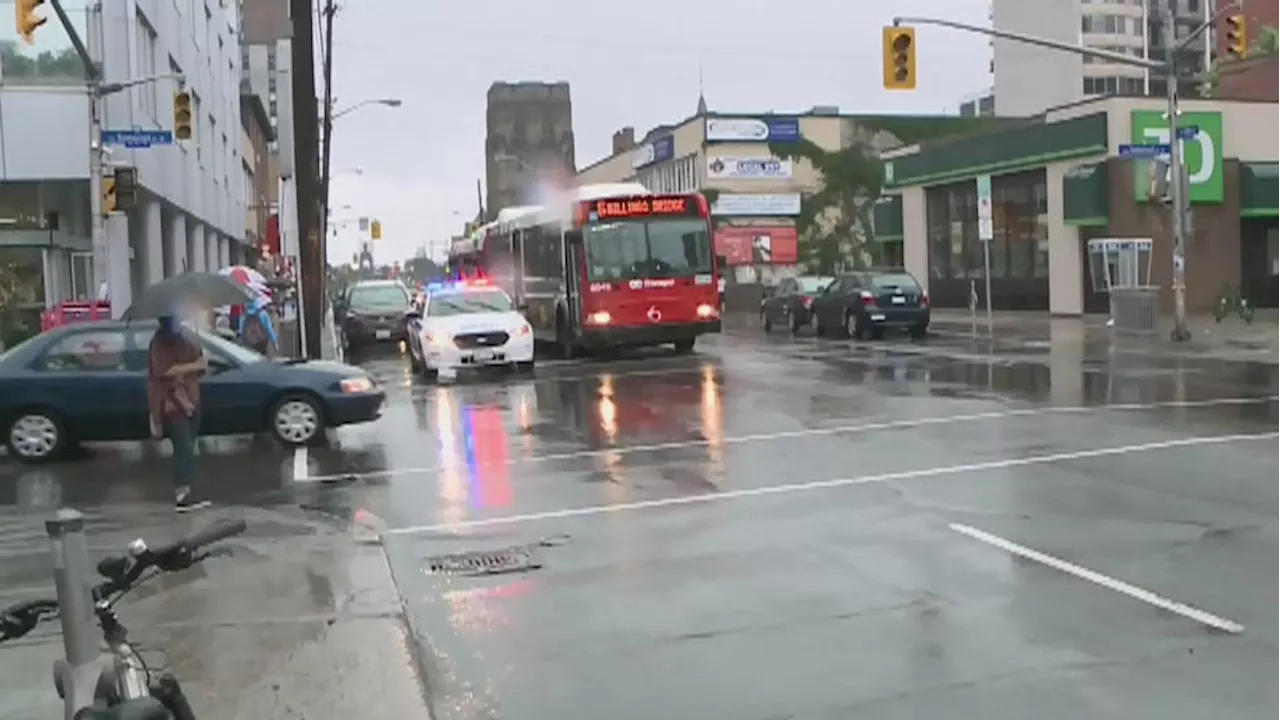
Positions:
(785, 528)
(779, 528)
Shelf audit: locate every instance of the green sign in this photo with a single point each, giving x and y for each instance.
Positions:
(1202, 154)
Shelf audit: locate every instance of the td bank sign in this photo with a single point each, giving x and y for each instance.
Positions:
(1202, 154)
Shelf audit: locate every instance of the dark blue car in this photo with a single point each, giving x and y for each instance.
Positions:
(87, 383)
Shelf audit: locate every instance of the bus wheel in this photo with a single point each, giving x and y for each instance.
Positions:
(684, 346)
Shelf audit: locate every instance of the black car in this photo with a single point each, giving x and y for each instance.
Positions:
(788, 305)
(372, 311)
(88, 383)
(865, 304)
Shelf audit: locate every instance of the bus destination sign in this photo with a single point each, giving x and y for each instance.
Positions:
(642, 207)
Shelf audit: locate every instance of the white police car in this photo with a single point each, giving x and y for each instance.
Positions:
(467, 325)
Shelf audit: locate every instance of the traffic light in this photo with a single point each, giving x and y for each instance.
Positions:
(899, 58)
(126, 188)
(108, 195)
(1237, 37)
(27, 20)
(182, 115)
(375, 230)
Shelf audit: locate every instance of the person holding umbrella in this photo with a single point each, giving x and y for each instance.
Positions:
(175, 364)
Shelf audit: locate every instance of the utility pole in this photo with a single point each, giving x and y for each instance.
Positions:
(329, 9)
(1179, 205)
(311, 261)
(96, 90)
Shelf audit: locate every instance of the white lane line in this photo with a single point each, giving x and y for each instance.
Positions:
(811, 432)
(300, 465)
(825, 484)
(1098, 578)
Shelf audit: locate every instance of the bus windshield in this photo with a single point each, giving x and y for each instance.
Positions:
(647, 249)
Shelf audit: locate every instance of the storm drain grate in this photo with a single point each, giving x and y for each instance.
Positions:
(484, 563)
(493, 562)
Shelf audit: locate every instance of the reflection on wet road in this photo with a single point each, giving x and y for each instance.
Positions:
(786, 528)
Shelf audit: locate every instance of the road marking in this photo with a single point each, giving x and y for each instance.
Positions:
(809, 432)
(1004, 464)
(300, 469)
(1098, 578)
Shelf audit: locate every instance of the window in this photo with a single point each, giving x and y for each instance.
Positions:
(82, 285)
(376, 298)
(145, 49)
(467, 303)
(647, 249)
(93, 351)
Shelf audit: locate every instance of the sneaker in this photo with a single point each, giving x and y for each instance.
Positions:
(188, 501)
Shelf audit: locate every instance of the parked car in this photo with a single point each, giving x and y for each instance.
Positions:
(87, 383)
(865, 304)
(372, 311)
(788, 305)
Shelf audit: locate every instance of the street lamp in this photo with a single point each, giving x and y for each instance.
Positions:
(388, 102)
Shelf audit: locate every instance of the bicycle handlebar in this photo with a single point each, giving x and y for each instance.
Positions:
(123, 573)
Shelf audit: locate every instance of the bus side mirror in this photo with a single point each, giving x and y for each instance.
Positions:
(722, 262)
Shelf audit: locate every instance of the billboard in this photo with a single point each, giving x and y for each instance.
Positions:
(759, 245)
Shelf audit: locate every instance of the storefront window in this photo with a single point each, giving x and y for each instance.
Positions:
(1020, 242)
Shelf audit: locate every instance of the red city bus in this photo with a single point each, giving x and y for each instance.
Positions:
(616, 266)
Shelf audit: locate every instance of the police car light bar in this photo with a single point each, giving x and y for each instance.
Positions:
(456, 286)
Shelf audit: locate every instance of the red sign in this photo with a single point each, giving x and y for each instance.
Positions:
(271, 243)
(642, 207)
(776, 245)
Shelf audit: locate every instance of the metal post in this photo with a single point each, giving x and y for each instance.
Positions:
(72, 579)
(973, 308)
(986, 263)
(1177, 192)
(97, 221)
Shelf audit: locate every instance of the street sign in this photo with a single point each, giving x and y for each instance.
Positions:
(986, 228)
(1188, 132)
(137, 139)
(1142, 151)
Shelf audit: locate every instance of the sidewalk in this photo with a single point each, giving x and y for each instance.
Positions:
(302, 622)
(1231, 339)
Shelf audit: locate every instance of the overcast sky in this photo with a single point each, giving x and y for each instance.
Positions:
(419, 163)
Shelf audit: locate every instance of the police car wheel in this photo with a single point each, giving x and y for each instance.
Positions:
(525, 366)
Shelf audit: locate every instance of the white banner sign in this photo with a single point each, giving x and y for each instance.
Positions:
(748, 168)
(763, 205)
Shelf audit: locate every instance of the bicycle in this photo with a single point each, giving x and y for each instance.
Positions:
(115, 684)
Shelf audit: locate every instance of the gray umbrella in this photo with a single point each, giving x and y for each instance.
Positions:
(169, 296)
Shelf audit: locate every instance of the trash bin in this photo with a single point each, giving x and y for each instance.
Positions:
(1135, 309)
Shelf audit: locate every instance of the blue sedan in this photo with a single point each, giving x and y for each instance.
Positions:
(87, 383)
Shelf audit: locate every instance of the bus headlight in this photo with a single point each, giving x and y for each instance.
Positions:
(706, 311)
(600, 317)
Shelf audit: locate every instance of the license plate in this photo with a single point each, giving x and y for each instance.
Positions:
(877, 316)
(484, 355)
(382, 334)
(899, 300)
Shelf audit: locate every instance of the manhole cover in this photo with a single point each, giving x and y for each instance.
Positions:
(484, 563)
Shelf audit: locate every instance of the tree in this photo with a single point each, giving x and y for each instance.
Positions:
(834, 224)
(48, 64)
(1266, 45)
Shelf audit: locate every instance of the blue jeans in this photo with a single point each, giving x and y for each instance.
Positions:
(183, 433)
